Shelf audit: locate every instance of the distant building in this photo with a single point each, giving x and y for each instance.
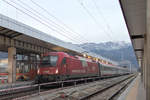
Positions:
(3, 65)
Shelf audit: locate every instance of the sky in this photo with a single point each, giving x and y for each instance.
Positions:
(76, 21)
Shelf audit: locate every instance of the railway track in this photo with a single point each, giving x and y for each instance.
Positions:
(80, 92)
(102, 90)
(14, 92)
(19, 90)
(110, 91)
(34, 91)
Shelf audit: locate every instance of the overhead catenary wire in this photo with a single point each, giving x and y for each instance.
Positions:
(58, 20)
(75, 39)
(39, 21)
(94, 19)
(48, 20)
(100, 13)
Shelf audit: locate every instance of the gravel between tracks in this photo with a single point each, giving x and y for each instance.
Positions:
(78, 92)
(109, 93)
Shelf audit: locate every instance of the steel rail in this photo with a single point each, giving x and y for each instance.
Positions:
(23, 89)
(102, 90)
(123, 87)
(59, 89)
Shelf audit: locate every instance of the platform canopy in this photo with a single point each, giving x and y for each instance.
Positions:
(27, 39)
(14, 30)
(134, 12)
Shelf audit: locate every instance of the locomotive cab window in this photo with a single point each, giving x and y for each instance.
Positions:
(49, 61)
(84, 63)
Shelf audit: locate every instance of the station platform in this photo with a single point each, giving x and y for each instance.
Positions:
(135, 91)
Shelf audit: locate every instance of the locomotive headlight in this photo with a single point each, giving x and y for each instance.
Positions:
(56, 71)
(38, 72)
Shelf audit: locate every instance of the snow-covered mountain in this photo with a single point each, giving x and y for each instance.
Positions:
(117, 51)
(105, 45)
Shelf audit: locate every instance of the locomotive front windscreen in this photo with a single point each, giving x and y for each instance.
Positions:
(49, 61)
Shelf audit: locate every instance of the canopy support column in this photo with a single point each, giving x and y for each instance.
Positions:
(11, 65)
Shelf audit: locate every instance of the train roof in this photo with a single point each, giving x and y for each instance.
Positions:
(112, 66)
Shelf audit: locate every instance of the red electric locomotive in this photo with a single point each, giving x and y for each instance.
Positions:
(61, 66)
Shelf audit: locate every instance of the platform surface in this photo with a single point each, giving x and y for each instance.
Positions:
(135, 91)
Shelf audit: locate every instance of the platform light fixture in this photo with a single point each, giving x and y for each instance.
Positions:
(96, 59)
(89, 57)
(84, 55)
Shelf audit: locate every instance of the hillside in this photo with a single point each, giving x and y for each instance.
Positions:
(120, 51)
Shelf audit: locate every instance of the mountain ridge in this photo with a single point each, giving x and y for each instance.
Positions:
(117, 51)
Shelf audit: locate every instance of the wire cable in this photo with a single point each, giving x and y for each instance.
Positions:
(94, 19)
(48, 20)
(38, 20)
(100, 13)
(58, 20)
